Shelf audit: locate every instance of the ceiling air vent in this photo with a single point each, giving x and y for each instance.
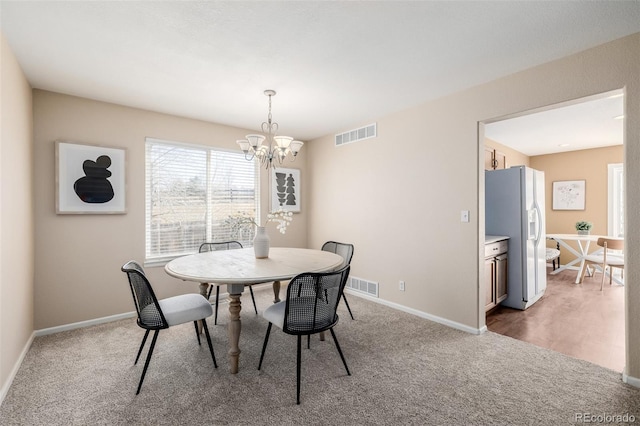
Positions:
(355, 135)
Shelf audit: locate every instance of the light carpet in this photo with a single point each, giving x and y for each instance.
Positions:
(405, 370)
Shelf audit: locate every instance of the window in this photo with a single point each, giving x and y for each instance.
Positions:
(191, 192)
(616, 200)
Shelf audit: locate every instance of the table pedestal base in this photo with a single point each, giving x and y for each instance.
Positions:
(234, 332)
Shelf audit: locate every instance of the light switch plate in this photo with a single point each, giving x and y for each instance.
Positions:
(464, 216)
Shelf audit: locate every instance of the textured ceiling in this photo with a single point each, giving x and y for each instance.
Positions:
(335, 65)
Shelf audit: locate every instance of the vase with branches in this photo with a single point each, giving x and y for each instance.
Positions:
(261, 241)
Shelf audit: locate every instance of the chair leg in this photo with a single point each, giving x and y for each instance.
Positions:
(146, 364)
(264, 345)
(340, 351)
(298, 360)
(206, 333)
(308, 341)
(195, 323)
(604, 275)
(610, 275)
(584, 271)
(347, 303)
(253, 299)
(144, 340)
(215, 318)
(210, 290)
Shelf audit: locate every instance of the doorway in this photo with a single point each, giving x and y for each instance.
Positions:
(575, 140)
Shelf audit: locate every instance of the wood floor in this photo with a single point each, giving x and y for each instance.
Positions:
(574, 319)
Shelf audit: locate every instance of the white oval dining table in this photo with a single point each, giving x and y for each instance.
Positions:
(238, 268)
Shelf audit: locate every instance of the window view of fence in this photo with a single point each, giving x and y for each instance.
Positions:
(193, 195)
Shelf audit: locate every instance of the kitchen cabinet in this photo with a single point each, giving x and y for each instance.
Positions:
(495, 271)
(494, 159)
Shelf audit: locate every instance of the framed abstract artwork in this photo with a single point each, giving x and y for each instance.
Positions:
(285, 189)
(90, 179)
(569, 195)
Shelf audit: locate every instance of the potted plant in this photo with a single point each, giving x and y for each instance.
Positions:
(583, 227)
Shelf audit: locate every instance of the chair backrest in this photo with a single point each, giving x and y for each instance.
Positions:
(312, 301)
(611, 243)
(150, 315)
(343, 249)
(225, 245)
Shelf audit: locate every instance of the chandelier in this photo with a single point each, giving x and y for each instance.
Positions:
(274, 148)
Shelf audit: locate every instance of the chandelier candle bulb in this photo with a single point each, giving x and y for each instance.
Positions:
(283, 141)
(295, 146)
(255, 140)
(244, 145)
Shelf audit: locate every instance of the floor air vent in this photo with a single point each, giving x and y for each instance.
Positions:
(365, 132)
(363, 286)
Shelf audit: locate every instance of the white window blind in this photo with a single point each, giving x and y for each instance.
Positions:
(191, 192)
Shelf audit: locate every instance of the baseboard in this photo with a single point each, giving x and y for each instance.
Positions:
(630, 380)
(82, 324)
(434, 318)
(16, 367)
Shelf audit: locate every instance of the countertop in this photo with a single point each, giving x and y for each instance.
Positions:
(488, 239)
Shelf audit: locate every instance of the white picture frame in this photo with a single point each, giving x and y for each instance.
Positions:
(569, 195)
(285, 189)
(90, 179)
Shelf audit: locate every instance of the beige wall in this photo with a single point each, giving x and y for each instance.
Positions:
(589, 165)
(514, 158)
(78, 257)
(16, 215)
(398, 197)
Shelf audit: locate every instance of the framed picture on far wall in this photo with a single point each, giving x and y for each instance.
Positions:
(285, 189)
(90, 179)
(569, 195)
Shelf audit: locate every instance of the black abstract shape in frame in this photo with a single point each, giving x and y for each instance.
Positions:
(94, 187)
(291, 190)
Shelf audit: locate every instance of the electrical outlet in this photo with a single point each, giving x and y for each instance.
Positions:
(401, 285)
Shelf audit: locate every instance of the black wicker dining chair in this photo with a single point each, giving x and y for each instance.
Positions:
(154, 314)
(225, 245)
(310, 307)
(346, 251)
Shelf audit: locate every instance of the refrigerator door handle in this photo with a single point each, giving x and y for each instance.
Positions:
(538, 224)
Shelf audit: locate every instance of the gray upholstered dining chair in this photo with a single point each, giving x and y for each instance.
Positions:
(225, 245)
(310, 307)
(154, 314)
(346, 251)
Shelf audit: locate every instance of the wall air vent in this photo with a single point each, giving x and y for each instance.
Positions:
(360, 285)
(365, 132)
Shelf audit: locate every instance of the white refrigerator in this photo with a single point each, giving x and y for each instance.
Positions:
(514, 207)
